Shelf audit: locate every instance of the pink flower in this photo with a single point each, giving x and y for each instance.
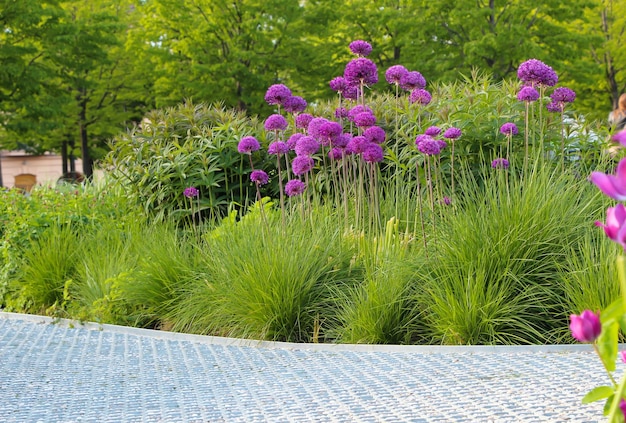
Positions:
(586, 327)
(615, 228)
(612, 185)
(620, 137)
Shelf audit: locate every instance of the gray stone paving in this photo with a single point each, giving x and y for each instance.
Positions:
(60, 373)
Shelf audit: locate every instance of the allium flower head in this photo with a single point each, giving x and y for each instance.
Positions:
(375, 134)
(442, 144)
(446, 201)
(275, 123)
(433, 131)
(303, 120)
(342, 140)
(247, 145)
(278, 147)
(259, 177)
(350, 93)
(307, 146)
(338, 84)
(500, 163)
(394, 74)
(335, 153)
(293, 140)
(295, 104)
(365, 119)
(361, 48)
(315, 124)
(361, 70)
(329, 132)
(586, 327)
(452, 133)
(294, 187)
(191, 192)
(612, 185)
(341, 112)
(420, 96)
(509, 128)
(555, 106)
(412, 81)
(277, 94)
(302, 164)
(373, 153)
(563, 95)
(427, 145)
(615, 227)
(535, 72)
(528, 93)
(358, 109)
(357, 145)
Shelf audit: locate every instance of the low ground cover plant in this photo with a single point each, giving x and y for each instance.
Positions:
(457, 214)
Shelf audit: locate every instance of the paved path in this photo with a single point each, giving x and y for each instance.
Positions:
(60, 373)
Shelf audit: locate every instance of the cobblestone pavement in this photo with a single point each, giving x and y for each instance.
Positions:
(60, 373)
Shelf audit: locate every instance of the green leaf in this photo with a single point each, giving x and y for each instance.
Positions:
(607, 344)
(598, 393)
(615, 310)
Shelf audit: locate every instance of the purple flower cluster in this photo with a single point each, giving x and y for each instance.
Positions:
(360, 48)
(452, 133)
(509, 129)
(361, 70)
(294, 187)
(307, 146)
(275, 123)
(247, 145)
(420, 96)
(293, 140)
(259, 177)
(191, 192)
(338, 84)
(560, 97)
(528, 94)
(278, 147)
(500, 163)
(329, 132)
(394, 74)
(432, 131)
(295, 104)
(412, 81)
(375, 134)
(365, 120)
(373, 153)
(586, 327)
(315, 125)
(302, 164)
(427, 145)
(303, 120)
(535, 72)
(357, 145)
(277, 94)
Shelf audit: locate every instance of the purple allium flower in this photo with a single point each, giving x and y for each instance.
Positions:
(307, 146)
(446, 200)
(278, 147)
(247, 145)
(341, 112)
(303, 120)
(342, 140)
(373, 153)
(315, 124)
(375, 134)
(586, 327)
(357, 145)
(350, 93)
(500, 163)
(293, 140)
(358, 109)
(427, 145)
(620, 137)
(615, 227)
(338, 84)
(563, 95)
(275, 123)
(442, 144)
(412, 81)
(509, 128)
(259, 177)
(433, 131)
(394, 74)
(361, 70)
(335, 153)
(420, 96)
(295, 104)
(528, 93)
(191, 192)
(277, 94)
(452, 133)
(361, 48)
(612, 185)
(302, 164)
(330, 129)
(535, 72)
(294, 187)
(555, 106)
(364, 120)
